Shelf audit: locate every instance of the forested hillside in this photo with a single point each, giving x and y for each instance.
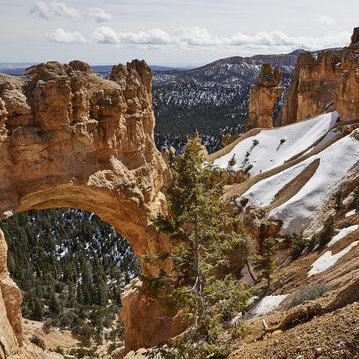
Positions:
(71, 267)
(212, 99)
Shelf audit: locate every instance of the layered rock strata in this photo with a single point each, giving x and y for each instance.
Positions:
(347, 92)
(69, 138)
(263, 96)
(311, 89)
(322, 83)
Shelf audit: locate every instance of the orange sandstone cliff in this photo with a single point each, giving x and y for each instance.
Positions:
(323, 83)
(263, 96)
(69, 138)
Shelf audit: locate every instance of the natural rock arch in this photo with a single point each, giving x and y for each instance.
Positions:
(69, 138)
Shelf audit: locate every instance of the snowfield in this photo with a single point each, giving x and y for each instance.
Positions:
(342, 233)
(350, 213)
(271, 148)
(327, 260)
(267, 304)
(335, 161)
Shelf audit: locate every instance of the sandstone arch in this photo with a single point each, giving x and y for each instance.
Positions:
(69, 138)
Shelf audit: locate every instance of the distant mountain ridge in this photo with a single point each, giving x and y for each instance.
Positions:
(18, 69)
(212, 98)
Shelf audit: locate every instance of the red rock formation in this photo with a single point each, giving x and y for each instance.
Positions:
(69, 138)
(311, 88)
(152, 321)
(322, 84)
(346, 96)
(263, 96)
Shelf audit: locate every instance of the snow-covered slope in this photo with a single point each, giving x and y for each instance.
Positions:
(331, 166)
(271, 148)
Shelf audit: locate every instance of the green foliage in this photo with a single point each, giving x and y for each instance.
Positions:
(327, 232)
(71, 267)
(54, 306)
(265, 263)
(282, 140)
(355, 135)
(339, 205)
(355, 203)
(298, 244)
(38, 341)
(199, 230)
(37, 310)
(310, 292)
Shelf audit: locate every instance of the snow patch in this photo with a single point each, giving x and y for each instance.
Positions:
(267, 304)
(350, 213)
(271, 148)
(327, 260)
(335, 161)
(342, 233)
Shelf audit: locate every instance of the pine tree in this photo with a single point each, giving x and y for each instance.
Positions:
(37, 311)
(54, 306)
(200, 232)
(266, 263)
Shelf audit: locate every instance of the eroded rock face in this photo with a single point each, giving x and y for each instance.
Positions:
(263, 96)
(153, 322)
(324, 83)
(69, 138)
(311, 88)
(346, 96)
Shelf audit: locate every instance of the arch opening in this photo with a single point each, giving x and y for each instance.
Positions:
(71, 268)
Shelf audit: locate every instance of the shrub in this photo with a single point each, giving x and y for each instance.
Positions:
(339, 205)
(313, 241)
(307, 293)
(255, 142)
(59, 350)
(298, 244)
(355, 135)
(38, 341)
(327, 232)
(244, 201)
(355, 203)
(232, 161)
(282, 140)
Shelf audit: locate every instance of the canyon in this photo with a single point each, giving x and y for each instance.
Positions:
(69, 138)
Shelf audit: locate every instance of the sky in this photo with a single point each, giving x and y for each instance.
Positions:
(169, 32)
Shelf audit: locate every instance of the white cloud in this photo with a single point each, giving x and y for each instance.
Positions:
(325, 19)
(99, 14)
(105, 35)
(63, 36)
(152, 37)
(196, 38)
(51, 9)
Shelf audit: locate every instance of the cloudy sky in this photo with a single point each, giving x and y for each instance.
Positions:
(169, 32)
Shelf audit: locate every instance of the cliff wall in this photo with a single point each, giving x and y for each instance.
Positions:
(69, 138)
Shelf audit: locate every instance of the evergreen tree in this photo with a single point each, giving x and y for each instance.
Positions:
(37, 311)
(327, 232)
(202, 240)
(265, 263)
(54, 306)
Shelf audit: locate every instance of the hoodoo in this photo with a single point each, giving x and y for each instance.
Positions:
(263, 96)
